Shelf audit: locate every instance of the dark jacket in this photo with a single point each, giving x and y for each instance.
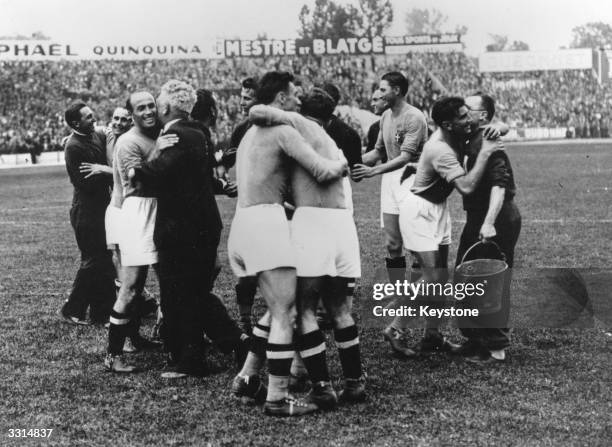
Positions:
(346, 138)
(187, 213)
(93, 192)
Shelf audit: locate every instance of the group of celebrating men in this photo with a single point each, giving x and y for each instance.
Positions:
(292, 237)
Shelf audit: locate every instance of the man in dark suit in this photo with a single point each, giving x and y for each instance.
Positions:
(94, 283)
(346, 138)
(187, 233)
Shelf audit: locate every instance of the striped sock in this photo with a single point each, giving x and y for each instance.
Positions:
(396, 269)
(245, 297)
(117, 331)
(347, 340)
(257, 351)
(312, 351)
(279, 363)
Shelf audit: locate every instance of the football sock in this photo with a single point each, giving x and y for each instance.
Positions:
(245, 297)
(118, 329)
(257, 351)
(133, 327)
(279, 362)
(312, 350)
(278, 387)
(396, 270)
(347, 340)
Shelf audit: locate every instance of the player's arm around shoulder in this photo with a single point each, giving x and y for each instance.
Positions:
(263, 115)
(467, 184)
(296, 147)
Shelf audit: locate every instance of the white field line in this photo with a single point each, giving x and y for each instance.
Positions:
(38, 208)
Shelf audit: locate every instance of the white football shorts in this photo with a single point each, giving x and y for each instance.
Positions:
(392, 193)
(113, 225)
(326, 243)
(424, 225)
(136, 241)
(259, 240)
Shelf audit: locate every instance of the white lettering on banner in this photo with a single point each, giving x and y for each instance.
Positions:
(34, 50)
(349, 45)
(318, 46)
(423, 48)
(577, 59)
(260, 47)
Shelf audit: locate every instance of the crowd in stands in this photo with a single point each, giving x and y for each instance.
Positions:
(33, 95)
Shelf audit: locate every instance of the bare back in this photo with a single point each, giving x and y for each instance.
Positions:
(305, 189)
(262, 168)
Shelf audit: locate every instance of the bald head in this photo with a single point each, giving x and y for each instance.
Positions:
(144, 110)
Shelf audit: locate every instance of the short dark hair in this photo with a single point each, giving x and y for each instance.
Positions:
(271, 84)
(446, 109)
(249, 84)
(73, 113)
(205, 107)
(332, 91)
(318, 104)
(396, 79)
(488, 104)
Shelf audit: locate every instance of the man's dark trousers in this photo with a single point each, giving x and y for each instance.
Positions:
(94, 282)
(490, 330)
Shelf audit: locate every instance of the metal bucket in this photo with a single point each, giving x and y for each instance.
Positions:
(489, 274)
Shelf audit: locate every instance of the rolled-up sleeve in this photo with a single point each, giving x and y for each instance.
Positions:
(448, 167)
(497, 170)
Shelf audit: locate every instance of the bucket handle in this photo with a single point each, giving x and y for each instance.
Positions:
(503, 256)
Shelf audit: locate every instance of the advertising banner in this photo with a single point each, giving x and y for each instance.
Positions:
(508, 61)
(344, 45)
(41, 50)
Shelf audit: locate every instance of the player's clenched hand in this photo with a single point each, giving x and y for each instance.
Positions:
(166, 141)
(228, 154)
(360, 171)
(230, 189)
(487, 231)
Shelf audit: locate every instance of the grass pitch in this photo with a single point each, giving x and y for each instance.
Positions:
(554, 390)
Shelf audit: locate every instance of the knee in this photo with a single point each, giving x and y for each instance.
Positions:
(342, 319)
(127, 292)
(305, 318)
(394, 245)
(283, 311)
